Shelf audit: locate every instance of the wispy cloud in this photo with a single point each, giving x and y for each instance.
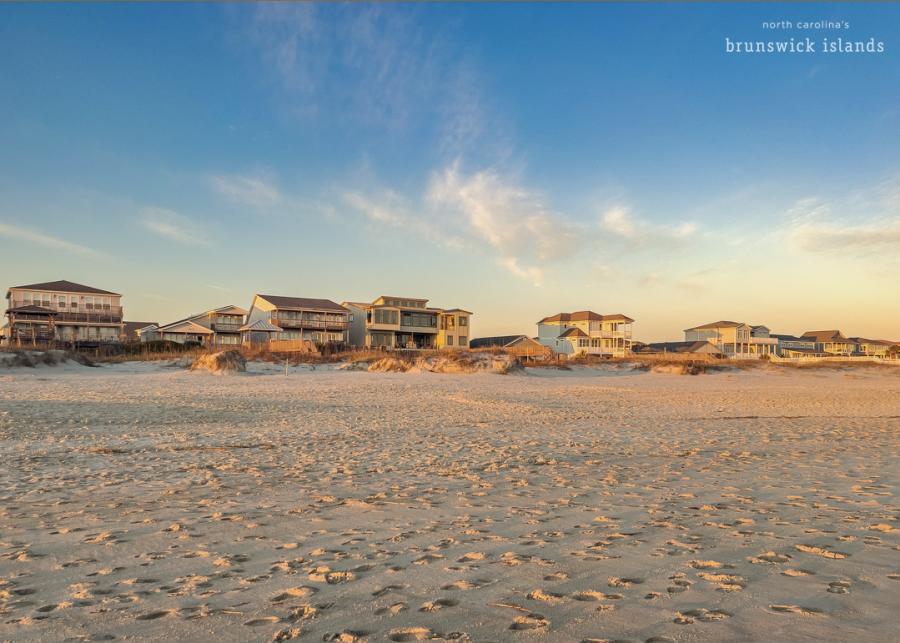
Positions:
(484, 210)
(868, 223)
(510, 219)
(173, 226)
(252, 191)
(620, 222)
(19, 233)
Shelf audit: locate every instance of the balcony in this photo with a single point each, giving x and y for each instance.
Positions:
(226, 328)
(84, 314)
(312, 324)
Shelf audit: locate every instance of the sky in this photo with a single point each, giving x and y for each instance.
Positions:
(515, 160)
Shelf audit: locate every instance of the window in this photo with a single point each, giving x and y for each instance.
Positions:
(89, 303)
(463, 320)
(449, 340)
(61, 301)
(26, 298)
(451, 322)
(463, 341)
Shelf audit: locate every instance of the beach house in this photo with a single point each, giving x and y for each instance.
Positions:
(873, 347)
(62, 311)
(734, 339)
(792, 346)
(408, 323)
(216, 327)
(831, 342)
(585, 332)
(320, 321)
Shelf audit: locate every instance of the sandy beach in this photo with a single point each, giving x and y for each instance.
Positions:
(154, 503)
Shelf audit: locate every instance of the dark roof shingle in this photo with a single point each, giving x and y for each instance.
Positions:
(66, 286)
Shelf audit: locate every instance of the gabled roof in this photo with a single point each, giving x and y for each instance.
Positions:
(584, 315)
(132, 327)
(786, 338)
(880, 342)
(186, 327)
(822, 336)
(261, 326)
(229, 310)
(581, 315)
(36, 310)
(715, 325)
(302, 303)
(574, 332)
(66, 286)
(456, 310)
(499, 341)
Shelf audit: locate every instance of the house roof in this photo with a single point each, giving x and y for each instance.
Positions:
(679, 347)
(825, 336)
(66, 286)
(584, 315)
(186, 327)
(500, 340)
(457, 310)
(302, 303)
(132, 327)
(786, 338)
(718, 324)
(863, 340)
(574, 332)
(229, 309)
(37, 310)
(261, 326)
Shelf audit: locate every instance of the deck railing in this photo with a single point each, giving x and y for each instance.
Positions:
(288, 322)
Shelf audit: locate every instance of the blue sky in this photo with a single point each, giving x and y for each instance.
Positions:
(514, 160)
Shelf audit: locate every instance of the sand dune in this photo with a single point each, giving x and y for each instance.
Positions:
(153, 502)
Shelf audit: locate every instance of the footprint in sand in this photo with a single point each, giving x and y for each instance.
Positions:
(531, 621)
(391, 610)
(294, 592)
(439, 604)
(287, 634)
(348, 636)
(405, 634)
(262, 620)
(556, 576)
(704, 564)
(590, 595)
(471, 556)
(152, 616)
(821, 551)
(839, 587)
(465, 584)
(387, 589)
(769, 557)
(725, 582)
(700, 614)
(796, 609)
(541, 595)
(615, 581)
(797, 572)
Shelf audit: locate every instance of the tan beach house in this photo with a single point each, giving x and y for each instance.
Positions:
(216, 327)
(831, 342)
(62, 311)
(408, 323)
(735, 339)
(320, 321)
(585, 332)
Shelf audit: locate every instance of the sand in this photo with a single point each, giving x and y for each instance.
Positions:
(150, 502)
